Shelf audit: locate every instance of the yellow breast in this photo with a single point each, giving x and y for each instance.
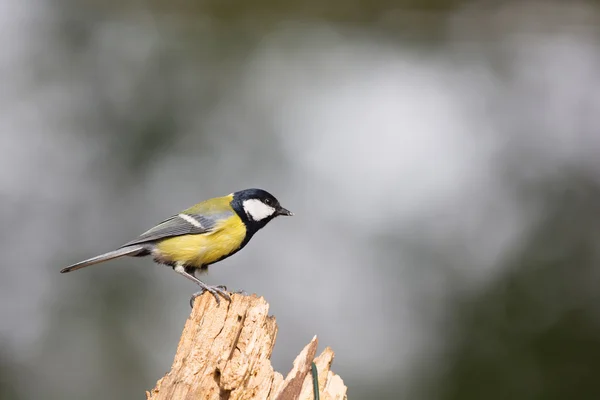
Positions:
(205, 248)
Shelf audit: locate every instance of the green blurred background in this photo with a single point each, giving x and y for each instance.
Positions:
(442, 159)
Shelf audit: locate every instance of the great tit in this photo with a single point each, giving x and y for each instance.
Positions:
(202, 235)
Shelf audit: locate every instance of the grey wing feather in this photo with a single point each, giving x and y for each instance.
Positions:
(177, 226)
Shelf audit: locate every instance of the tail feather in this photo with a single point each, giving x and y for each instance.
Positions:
(125, 251)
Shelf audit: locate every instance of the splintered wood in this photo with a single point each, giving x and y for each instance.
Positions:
(224, 353)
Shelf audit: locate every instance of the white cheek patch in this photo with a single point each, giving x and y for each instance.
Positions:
(257, 210)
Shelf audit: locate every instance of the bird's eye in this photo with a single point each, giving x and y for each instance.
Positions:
(267, 201)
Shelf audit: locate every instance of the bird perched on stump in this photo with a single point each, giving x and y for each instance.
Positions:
(204, 234)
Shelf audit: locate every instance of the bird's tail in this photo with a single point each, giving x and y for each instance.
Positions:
(124, 251)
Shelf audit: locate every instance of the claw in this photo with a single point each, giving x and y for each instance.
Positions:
(216, 291)
(193, 298)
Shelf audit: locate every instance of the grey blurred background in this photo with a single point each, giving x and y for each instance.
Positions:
(442, 159)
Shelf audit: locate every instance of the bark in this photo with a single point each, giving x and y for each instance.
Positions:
(224, 353)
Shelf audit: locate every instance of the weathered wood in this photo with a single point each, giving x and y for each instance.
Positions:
(224, 353)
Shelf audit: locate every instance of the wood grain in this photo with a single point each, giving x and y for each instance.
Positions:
(225, 351)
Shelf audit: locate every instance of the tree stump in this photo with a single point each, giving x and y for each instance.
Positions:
(224, 353)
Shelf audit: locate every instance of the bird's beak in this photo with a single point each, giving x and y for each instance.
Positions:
(283, 211)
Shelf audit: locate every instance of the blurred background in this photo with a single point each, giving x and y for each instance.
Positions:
(442, 159)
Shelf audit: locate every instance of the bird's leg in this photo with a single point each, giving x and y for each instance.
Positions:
(214, 290)
(201, 270)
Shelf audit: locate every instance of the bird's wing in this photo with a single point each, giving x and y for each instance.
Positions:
(181, 224)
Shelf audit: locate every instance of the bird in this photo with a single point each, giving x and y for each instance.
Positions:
(201, 235)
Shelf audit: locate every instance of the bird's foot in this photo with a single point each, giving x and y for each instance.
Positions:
(216, 291)
(240, 291)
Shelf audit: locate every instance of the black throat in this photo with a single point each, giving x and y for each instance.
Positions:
(251, 226)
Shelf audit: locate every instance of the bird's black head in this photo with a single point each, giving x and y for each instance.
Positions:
(256, 207)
